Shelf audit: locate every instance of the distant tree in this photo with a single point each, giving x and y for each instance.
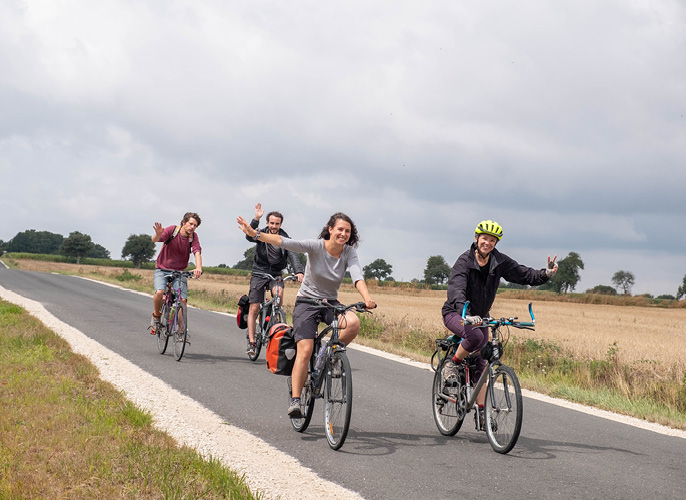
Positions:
(32, 241)
(437, 270)
(139, 248)
(378, 270)
(221, 266)
(682, 289)
(602, 290)
(247, 261)
(567, 276)
(623, 280)
(99, 252)
(666, 297)
(77, 245)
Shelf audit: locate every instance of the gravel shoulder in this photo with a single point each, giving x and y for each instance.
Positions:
(273, 473)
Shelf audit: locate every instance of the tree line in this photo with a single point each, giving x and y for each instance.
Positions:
(139, 248)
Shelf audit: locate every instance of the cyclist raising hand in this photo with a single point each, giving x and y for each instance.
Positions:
(329, 257)
(270, 260)
(475, 278)
(179, 242)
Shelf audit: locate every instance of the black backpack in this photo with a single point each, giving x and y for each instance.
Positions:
(242, 316)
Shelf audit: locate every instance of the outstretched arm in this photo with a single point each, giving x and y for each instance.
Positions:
(243, 225)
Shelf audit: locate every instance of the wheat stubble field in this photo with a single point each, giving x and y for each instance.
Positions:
(587, 331)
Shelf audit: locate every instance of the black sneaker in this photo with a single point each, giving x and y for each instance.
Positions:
(294, 410)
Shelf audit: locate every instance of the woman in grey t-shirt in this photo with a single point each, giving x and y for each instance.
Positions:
(328, 258)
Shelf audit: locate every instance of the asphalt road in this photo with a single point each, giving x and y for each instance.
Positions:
(393, 449)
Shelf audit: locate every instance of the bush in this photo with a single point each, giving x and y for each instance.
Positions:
(602, 290)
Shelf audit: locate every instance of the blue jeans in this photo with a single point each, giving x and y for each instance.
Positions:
(161, 282)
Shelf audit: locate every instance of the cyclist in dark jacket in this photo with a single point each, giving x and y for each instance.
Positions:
(269, 259)
(475, 278)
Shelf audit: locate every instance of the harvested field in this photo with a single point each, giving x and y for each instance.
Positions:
(586, 330)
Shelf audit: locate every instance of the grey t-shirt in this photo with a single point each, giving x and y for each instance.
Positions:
(324, 273)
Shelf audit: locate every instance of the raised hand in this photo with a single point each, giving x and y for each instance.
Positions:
(158, 229)
(259, 212)
(244, 226)
(551, 269)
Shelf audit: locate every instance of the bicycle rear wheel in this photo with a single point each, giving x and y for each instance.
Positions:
(503, 409)
(181, 333)
(258, 345)
(447, 403)
(306, 405)
(339, 399)
(163, 331)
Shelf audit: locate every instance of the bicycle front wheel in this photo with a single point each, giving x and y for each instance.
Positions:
(447, 403)
(339, 399)
(163, 330)
(181, 333)
(503, 409)
(306, 405)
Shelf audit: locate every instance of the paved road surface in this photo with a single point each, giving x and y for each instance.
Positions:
(393, 449)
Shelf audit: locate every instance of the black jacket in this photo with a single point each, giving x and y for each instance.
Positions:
(468, 283)
(261, 263)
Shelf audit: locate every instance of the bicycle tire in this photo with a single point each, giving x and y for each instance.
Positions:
(503, 409)
(307, 405)
(163, 331)
(258, 345)
(339, 400)
(447, 403)
(260, 334)
(181, 333)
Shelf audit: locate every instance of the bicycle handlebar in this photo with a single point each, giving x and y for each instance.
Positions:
(360, 307)
(175, 274)
(503, 321)
(260, 274)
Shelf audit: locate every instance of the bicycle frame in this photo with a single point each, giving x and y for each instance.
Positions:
(171, 327)
(503, 399)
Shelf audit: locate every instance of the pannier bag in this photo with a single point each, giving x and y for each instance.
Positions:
(242, 316)
(281, 349)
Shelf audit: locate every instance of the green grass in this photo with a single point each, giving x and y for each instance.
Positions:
(64, 433)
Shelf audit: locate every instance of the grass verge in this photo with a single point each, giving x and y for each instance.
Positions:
(65, 433)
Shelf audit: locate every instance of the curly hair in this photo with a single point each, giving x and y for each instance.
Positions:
(275, 214)
(190, 215)
(354, 237)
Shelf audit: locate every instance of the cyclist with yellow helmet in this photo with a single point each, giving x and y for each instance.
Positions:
(475, 277)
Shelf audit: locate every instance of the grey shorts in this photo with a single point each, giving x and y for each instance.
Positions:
(258, 286)
(161, 282)
(306, 319)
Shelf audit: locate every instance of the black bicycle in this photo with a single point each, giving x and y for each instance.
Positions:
(329, 377)
(503, 405)
(174, 319)
(270, 313)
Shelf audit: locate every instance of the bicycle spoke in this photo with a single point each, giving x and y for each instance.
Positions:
(503, 410)
(447, 410)
(339, 395)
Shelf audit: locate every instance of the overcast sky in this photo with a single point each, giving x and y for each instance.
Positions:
(564, 121)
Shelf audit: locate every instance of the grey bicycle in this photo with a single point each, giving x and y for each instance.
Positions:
(329, 378)
(503, 407)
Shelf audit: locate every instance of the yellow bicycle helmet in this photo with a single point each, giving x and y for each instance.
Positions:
(489, 227)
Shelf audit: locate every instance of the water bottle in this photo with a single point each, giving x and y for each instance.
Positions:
(320, 358)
